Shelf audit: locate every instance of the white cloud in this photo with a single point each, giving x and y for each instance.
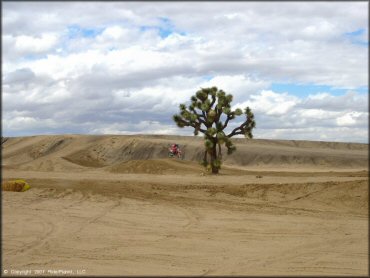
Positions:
(317, 114)
(178, 41)
(349, 101)
(339, 134)
(135, 62)
(319, 30)
(240, 86)
(142, 127)
(113, 32)
(29, 44)
(303, 46)
(19, 122)
(351, 118)
(270, 103)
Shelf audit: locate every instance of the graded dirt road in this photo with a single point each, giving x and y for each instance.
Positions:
(114, 205)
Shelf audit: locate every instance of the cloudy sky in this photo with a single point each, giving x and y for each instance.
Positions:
(124, 67)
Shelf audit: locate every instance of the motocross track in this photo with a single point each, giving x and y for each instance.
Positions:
(116, 205)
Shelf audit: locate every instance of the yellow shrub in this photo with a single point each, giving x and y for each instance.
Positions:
(17, 185)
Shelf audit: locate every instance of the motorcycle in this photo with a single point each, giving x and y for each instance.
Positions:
(178, 153)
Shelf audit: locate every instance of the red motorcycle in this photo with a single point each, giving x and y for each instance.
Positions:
(174, 151)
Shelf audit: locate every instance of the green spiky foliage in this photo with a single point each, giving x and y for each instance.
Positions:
(209, 113)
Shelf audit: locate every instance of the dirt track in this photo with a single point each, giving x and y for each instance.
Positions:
(124, 218)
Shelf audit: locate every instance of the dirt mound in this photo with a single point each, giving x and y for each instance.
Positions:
(64, 152)
(350, 196)
(18, 151)
(263, 156)
(111, 150)
(156, 166)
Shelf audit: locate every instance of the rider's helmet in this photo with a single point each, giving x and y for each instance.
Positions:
(176, 145)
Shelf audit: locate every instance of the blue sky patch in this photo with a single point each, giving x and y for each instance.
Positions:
(34, 57)
(355, 37)
(309, 89)
(358, 32)
(163, 32)
(207, 77)
(362, 90)
(164, 29)
(75, 31)
(146, 28)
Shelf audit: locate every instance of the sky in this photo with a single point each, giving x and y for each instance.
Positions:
(124, 67)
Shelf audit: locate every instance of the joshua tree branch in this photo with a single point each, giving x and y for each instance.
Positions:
(200, 118)
(237, 130)
(226, 122)
(213, 101)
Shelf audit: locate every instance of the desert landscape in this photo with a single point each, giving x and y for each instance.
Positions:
(118, 205)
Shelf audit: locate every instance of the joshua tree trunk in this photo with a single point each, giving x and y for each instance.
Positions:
(213, 159)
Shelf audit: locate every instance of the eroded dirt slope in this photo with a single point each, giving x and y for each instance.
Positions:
(62, 152)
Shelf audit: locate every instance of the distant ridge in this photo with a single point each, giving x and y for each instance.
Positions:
(77, 152)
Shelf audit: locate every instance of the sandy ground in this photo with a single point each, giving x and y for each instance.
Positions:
(103, 208)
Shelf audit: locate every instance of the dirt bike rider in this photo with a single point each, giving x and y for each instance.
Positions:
(174, 149)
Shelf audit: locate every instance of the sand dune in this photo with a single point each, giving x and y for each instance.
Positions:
(117, 205)
(67, 151)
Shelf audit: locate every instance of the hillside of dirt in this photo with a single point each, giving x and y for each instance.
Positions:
(117, 205)
(117, 153)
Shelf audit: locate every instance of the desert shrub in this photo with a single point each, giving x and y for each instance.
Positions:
(18, 185)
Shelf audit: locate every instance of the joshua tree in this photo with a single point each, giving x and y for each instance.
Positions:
(210, 113)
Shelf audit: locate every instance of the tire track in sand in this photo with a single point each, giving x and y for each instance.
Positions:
(47, 231)
(95, 218)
